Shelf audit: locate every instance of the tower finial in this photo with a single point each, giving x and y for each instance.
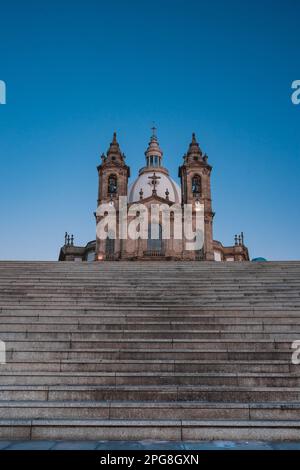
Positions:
(154, 129)
(114, 151)
(194, 152)
(153, 152)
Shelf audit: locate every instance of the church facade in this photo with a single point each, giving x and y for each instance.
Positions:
(154, 187)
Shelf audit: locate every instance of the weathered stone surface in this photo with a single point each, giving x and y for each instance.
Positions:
(94, 354)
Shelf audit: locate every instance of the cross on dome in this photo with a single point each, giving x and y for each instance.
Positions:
(154, 181)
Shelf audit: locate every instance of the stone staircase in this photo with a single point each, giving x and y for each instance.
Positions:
(149, 350)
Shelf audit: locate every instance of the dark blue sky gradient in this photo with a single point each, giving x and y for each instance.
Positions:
(78, 70)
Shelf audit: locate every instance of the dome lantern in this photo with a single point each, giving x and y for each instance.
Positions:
(153, 153)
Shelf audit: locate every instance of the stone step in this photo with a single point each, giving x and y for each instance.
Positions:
(116, 335)
(121, 295)
(151, 378)
(126, 277)
(253, 304)
(113, 284)
(134, 269)
(40, 277)
(62, 292)
(187, 430)
(86, 282)
(112, 311)
(161, 344)
(128, 365)
(148, 354)
(177, 393)
(229, 296)
(125, 330)
(150, 429)
(257, 304)
(155, 328)
(147, 410)
(161, 319)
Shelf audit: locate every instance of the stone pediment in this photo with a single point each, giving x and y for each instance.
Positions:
(154, 199)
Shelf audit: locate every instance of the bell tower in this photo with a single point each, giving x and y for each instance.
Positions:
(113, 174)
(194, 174)
(113, 183)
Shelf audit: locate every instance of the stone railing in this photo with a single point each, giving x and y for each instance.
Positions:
(154, 253)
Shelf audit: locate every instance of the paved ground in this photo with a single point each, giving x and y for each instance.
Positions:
(147, 445)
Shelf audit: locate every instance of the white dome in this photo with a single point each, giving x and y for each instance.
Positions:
(164, 183)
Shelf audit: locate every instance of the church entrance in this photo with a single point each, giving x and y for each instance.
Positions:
(199, 254)
(155, 245)
(110, 246)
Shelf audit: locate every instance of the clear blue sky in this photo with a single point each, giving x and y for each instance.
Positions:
(78, 70)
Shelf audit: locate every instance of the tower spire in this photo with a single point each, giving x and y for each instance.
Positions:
(114, 151)
(194, 152)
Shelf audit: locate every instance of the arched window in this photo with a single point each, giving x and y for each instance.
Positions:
(196, 186)
(112, 184)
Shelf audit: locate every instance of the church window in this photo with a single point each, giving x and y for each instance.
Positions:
(112, 184)
(196, 185)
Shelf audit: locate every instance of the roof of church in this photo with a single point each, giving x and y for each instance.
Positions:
(164, 184)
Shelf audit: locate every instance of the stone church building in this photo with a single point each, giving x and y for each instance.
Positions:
(154, 185)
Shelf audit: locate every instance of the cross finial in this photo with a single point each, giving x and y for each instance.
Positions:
(154, 129)
(153, 182)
